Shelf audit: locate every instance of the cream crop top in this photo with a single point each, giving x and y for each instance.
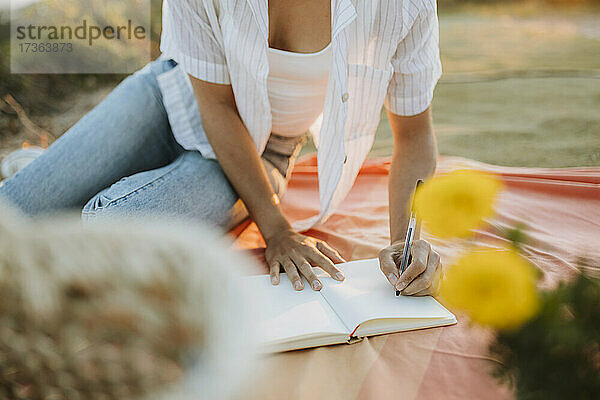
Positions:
(297, 85)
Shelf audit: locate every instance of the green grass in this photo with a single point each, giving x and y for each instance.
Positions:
(521, 87)
(550, 122)
(522, 119)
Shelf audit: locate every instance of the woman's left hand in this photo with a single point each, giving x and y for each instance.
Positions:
(422, 275)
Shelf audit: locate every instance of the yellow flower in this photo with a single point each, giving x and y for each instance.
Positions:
(452, 204)
(495, 287)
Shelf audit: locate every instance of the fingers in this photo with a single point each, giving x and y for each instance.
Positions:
(299, 259)
(320, 260)
(423, 284)
(274, 272)
(310, 275)
(420, 253)
(424, 292)
(306, 270)
(387, 264)
(330, 252)
(292, 272)
(438, 278)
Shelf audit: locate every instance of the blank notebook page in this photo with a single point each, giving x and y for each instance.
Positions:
(366, 295)
(287, 313)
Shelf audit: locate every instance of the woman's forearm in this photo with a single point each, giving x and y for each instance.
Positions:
(414, 157)
(241, 163)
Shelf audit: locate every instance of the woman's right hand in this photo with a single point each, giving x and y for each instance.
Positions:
(297, 254)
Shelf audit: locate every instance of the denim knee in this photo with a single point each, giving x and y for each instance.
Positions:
(96, 207)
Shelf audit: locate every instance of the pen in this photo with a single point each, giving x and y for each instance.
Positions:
(410, 234)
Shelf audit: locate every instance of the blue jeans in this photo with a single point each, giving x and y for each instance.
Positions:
(122, 159)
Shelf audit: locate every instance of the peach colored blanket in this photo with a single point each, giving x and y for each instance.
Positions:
(561, 208)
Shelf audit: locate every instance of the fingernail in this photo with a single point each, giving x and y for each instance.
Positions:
(393, 278)
(401, 285)
(274, 280)
(339, 276)
(316, 285)
(298, 285)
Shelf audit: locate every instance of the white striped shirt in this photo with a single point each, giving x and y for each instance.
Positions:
(385, 53)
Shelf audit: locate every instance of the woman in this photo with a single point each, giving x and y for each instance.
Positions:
(215, 124)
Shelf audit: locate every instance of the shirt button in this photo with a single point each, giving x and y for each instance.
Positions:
(345, 97)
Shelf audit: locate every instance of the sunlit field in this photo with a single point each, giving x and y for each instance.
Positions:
(521, 87)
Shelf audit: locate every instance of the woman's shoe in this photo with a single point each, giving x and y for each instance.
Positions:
(18, 159)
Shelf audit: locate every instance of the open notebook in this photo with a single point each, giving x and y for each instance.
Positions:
(364, 304)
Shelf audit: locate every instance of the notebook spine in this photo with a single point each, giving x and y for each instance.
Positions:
(354, 339)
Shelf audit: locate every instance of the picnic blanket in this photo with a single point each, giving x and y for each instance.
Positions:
(561, 208)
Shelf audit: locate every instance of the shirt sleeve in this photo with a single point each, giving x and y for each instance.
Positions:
(188, 38)
(417, 66)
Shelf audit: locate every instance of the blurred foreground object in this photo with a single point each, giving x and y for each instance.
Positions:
(546, 343)
(496, 287)
(556, 355)
(19, 159)
(453, 204)
(126, 310)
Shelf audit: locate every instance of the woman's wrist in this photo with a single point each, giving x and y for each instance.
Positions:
(275, 230)
(273, 224)
(398, 230)
(416, 235)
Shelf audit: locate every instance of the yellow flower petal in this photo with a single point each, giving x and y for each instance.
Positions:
(451, 205)
(495, 287)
